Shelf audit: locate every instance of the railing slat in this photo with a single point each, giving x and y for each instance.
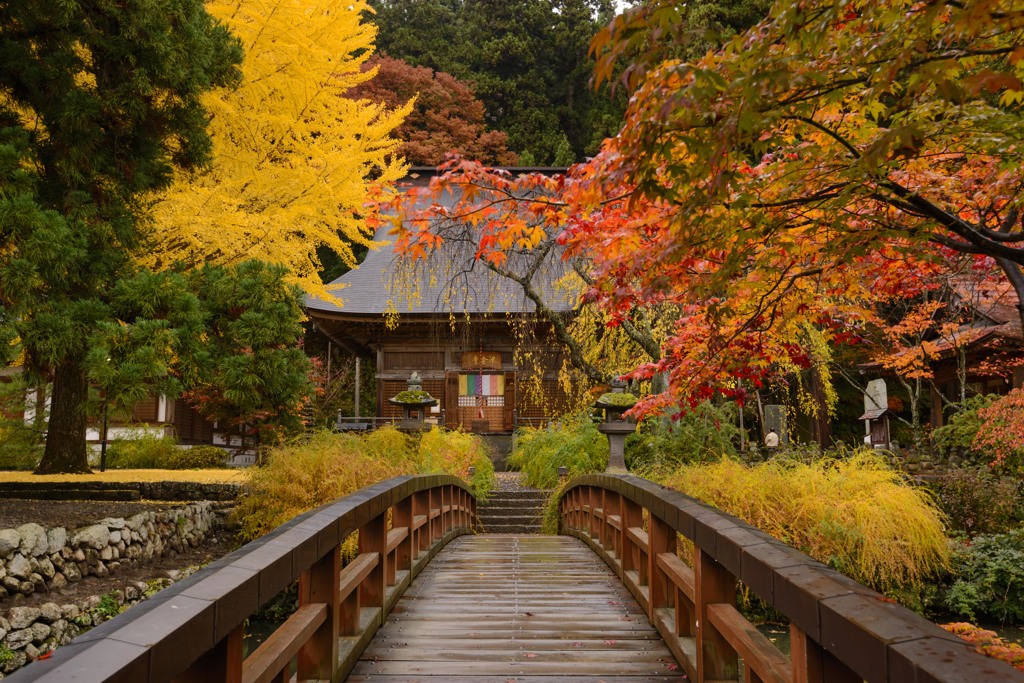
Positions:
(678, 572)
(638, 536)
(357, 570)
(757, 651)
(396, 536)
(277, 651)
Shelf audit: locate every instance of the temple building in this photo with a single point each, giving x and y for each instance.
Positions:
(474, 337)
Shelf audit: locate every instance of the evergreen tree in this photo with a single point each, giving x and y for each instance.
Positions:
(99, 102)
(527, 59)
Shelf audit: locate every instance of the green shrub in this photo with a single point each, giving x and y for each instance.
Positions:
(990, 578)
(324, 466)
(21, 445)
(959, 432)
(854, 513)
(197, 458)
(976, 501)
(574, 443)
(142, 453)
(703, 434)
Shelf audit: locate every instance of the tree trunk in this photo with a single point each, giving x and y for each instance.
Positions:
(65, 437)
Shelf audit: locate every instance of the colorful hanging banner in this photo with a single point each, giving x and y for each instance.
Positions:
(481, 385)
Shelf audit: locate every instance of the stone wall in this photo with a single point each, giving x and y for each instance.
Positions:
(26, 633)
(33, 558)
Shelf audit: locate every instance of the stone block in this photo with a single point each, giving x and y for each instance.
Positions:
(23, 617)
(40, 632)
(17, 640)
(33, 540)
(9, 541)
(56, 539)
(49, 612)
(96, 537)
(19, 567)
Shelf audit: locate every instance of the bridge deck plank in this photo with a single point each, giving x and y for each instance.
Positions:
(525, 609)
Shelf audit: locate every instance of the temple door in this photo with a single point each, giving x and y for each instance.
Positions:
(510, 401)
(451, 400)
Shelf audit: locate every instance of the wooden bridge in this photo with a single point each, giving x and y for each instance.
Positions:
(425, 601)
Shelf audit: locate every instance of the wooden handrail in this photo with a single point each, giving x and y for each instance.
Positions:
(278, 650)
(193, 631)
(841, 631)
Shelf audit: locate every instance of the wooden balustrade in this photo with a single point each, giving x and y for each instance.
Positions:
(192, 632)
(841, 631)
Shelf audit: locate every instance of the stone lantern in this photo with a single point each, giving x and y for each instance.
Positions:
(614, 404)
(414, 403)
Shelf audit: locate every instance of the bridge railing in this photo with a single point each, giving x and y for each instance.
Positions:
(840, 630)
(193, 631)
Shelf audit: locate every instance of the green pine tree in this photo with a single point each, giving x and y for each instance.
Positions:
(98, 103)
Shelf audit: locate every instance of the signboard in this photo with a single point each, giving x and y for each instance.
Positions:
(481, 360)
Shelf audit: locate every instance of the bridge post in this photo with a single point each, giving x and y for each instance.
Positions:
(222, 664)
(421, 508)
(631, 515)
(320, 584)
(612, 503)
(716, 659)
(661, 539)
(401, 516)
(812, 664)
(434, 522)
(373, 538)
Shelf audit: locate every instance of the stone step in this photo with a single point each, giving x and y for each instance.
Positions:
(508, 510)
(518, 515)
(515, 501)
(510, 528)
(510, 519)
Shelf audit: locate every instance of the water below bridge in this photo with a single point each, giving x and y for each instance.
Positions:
(517, 609)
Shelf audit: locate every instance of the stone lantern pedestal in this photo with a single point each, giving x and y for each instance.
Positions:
(617, 432)
(614, 427)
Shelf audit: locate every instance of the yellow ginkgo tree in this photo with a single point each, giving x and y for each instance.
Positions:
(293, 160)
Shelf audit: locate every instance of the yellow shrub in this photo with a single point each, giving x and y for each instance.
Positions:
(298, 477)
(325, 466)
(454, 452)
(855, 513)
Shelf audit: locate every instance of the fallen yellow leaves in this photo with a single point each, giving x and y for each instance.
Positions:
(226, 476)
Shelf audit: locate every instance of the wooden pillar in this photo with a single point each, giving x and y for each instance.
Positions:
(631, 515)
(716, 660)
(320, 584)
(373, 538)
(222, 664)
(812, 664)
(612, 506)
(401, 516)
(421, 506)
(661, 538)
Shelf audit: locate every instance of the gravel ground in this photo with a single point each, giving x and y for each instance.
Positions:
(70, 514)
(511, 481)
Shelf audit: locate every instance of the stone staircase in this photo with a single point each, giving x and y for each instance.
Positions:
(512, 512)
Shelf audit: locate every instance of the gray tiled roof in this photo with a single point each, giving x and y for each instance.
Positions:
(452, 280)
